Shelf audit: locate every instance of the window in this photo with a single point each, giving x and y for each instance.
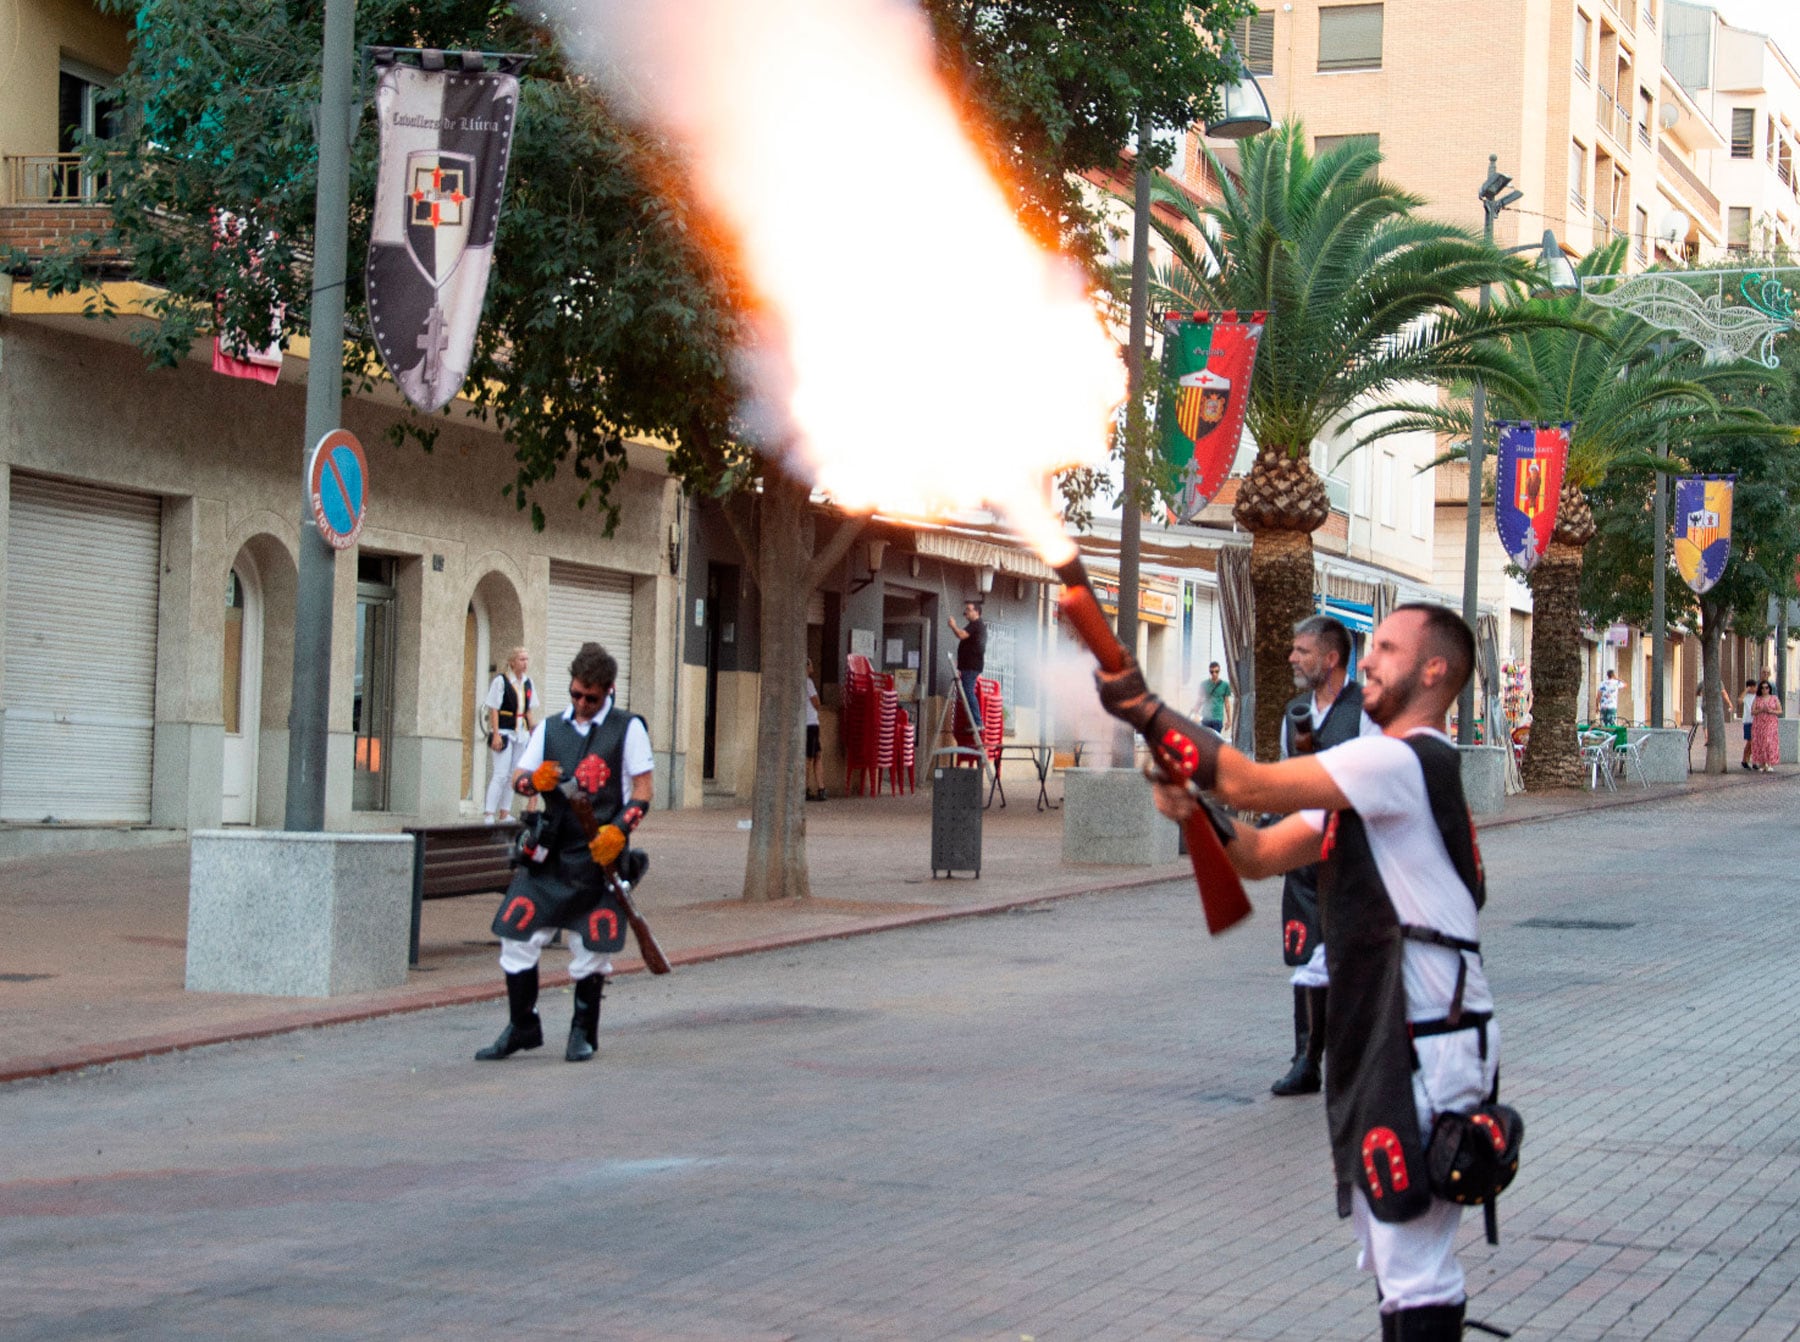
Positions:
(1578, 174)
(1640, 232)
(84, 108)
(1324, 144)
(1350, 37)
(1743, 132)
(1255, 38)
(1584, 41)
(1737, 228)
(1422, 486)
(1387, 489)
(1646, 114)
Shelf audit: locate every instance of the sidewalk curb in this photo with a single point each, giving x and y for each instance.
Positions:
(293, 1021)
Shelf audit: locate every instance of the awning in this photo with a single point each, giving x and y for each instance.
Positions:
(963, 549)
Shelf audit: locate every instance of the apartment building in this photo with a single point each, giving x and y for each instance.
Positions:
(1750, 90)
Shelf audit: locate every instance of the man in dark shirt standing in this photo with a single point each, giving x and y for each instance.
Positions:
(971, 657)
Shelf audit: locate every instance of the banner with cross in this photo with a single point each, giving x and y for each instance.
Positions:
(445, 138)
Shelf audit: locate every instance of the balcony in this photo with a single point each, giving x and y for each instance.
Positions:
(1613, 119)
(48, 201)
(1701, 202)
(48, 179)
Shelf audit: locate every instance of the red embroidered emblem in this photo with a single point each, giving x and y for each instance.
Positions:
(1293, 936)
(593, 937)
(1486, 1123)
(519, 913)
(591, 774)
(1382, 1141)
(1330, 840)
(1186, 753)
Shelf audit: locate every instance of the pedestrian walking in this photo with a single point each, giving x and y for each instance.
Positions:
(815, 769)
(507, 715)
(1606, 699)
(1745, 704)
(1214, 708)
(1765, 729)
(1320, 659)
(1412, 1050)
(603, 753)
(971, 658)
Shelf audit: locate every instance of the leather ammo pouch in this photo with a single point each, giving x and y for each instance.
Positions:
(1471, 1158)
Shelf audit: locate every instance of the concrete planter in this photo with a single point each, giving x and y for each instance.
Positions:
(1790, 740)
(1665, 752)
(1108, 818)
(298, 915)
(1484, 778)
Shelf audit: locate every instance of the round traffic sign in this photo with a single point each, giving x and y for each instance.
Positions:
(337, 479)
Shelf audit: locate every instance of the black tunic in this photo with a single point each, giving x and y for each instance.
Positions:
(1300, 890)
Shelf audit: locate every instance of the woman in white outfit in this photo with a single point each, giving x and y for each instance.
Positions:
(507, 716)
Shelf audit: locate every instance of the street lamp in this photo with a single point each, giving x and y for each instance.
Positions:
(1555, 277)
(1243, 111)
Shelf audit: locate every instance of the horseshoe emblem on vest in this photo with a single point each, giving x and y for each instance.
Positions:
(593, 924)
(1293, 936)
(525, 910)
(1382, 1141)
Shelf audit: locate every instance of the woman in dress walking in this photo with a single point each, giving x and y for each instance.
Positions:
(1765, 731)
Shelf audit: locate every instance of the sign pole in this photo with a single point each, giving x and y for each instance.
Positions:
(309, 719)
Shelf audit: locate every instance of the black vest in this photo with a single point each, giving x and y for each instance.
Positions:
(1375, 1139)
(506, 717)
(1300, 890)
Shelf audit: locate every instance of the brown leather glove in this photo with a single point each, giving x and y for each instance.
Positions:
(607, 844)
(1183, 748)
(1124, 694)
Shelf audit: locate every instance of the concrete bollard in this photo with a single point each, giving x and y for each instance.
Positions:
(298, 915)
(1790, 740)
(1109, 818)
(1484, 778)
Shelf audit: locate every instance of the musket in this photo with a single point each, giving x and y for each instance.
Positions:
(1221, 893)
(648, 947)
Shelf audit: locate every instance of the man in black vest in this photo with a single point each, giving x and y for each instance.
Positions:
(1332, 703)
(605, 753)
(1411, 1032)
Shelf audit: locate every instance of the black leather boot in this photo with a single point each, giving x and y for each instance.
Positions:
(584, 1029)
(523, 1028)
(1303, 1077)
(1428, 1323)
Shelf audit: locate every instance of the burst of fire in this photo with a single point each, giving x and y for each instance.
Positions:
(934, 357)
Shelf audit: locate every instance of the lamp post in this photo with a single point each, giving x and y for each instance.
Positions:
(1243, 112)
(1659, 575)
(1555, 276)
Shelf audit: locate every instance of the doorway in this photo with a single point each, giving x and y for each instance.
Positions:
(240, 685)
(721, 641)
(372, 702)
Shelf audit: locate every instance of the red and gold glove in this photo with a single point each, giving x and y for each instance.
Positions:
(607, 844)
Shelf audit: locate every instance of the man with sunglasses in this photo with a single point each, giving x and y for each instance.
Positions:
(605, 752)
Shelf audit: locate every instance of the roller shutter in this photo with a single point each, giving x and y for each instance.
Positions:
(80, 693)
(586, 605)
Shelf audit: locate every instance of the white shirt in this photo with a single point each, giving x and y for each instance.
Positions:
(1384, 783)
(812, 712)
(636, 758)
(496, 696)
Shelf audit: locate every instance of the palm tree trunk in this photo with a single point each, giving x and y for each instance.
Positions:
(1551, 756)
(1281, 574)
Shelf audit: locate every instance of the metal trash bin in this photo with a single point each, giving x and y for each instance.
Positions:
(955, 811)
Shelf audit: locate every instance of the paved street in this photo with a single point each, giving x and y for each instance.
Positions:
(1051, 1123)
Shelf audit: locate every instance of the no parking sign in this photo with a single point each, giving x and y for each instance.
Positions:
(337, 480)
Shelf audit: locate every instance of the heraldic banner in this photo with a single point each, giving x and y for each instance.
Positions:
(1703, 528)
(445, 137)
(1208, 358)
(1532, 460)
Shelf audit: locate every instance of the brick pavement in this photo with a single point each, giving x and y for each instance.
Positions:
(1051, 1124)
(92, 968)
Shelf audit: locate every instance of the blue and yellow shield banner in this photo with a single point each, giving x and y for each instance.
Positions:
(1703, 528)
(1532, 460)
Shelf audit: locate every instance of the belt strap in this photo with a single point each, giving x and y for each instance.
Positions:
(1467, 1020)
(1430, 935)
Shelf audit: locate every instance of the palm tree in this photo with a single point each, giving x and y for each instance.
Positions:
(1599, 371)
(1363, 296)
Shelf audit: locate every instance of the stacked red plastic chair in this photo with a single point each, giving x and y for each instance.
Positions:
(902, 779)
(992, 706)
(887, 717)
(858, 721)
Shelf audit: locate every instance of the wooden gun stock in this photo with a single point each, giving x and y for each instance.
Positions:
(1222, 896)
(648, 946)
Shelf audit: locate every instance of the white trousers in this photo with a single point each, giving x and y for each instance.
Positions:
(516, 956)
(1414, 1261)
(1312, 974)
(500, 793)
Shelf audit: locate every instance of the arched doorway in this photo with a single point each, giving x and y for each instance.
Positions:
(241, 689)
(493, 625)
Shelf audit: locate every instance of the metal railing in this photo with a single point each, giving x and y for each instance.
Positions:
(49, 179)
(1696, 190)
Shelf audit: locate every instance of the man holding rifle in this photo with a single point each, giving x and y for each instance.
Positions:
(592, 760)
(1410, 1035)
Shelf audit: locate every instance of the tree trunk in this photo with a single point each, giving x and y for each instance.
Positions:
(782, 563)
(1281, 574)
(1280, 502)
(1551, 756)
(1712, 622)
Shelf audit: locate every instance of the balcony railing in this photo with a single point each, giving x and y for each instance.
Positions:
(1578, 200)
(1613, 118)
(49, 179)
(1698, 196)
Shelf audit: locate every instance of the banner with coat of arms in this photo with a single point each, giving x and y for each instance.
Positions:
(1703, 528)
(1533, 458)
(445, 138)
(1208, 358)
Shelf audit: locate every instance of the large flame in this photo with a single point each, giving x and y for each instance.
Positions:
(934, 358)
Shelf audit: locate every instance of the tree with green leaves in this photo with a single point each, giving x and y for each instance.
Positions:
(1602, 371)
(1364, 296)
(614, 309)
(1765, 535)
